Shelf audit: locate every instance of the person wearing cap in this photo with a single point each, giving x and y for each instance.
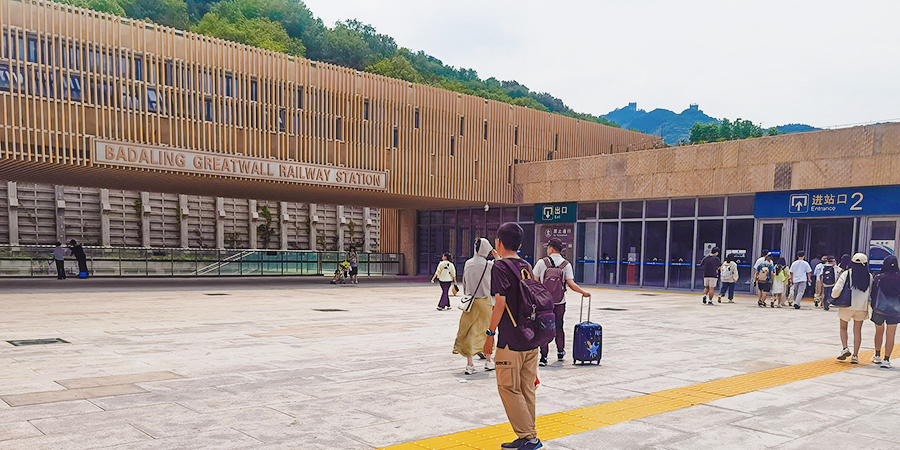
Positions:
(710, 264)
(860, 282)
(801, 276)
(555, 259)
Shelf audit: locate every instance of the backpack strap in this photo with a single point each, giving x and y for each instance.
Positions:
(549, 262)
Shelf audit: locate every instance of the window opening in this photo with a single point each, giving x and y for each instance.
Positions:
(253, 90)
(338, 133)
(152, 100)
(485, 129)
(396, 137)
(416, 119)
(138, 68)
(366, 109)
(452, 145)
(207, 106)
(462, 125)
(516, 136)
(282, 118)
(300, 97)
(229, 86)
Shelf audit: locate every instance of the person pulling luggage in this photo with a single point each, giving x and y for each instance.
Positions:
(555, 273)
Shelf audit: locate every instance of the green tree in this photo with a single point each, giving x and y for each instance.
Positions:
(171, 13)
(293, 15)
(381, 45)
(106, 6)
(258, 32)
(346, 47)
(396, 67)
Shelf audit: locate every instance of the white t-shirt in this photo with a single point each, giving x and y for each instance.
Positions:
(540, 267)
(799, 270)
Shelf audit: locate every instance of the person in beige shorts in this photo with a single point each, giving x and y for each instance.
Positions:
(860, 282)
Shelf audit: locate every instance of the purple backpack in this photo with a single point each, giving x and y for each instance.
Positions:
(555, 280)
(535, 321)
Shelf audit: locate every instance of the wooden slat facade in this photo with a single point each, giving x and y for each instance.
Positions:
(70, 75)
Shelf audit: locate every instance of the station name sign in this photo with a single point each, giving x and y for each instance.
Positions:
(197, 162)
(874, 200)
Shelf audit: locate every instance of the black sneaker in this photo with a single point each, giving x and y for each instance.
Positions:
(543, 361)
(532, 444)
(518, 443)
(560, 355)
(796, 306)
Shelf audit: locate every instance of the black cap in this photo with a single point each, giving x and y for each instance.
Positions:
(556, 243)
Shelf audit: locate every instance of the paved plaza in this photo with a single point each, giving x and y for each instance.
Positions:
(300, 364)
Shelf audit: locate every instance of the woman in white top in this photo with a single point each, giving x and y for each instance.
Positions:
(860, 285)
(446, 274)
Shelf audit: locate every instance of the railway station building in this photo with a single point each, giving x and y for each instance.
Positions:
(123, 134)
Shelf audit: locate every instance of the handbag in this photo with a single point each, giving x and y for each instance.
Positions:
(846, 297)
(467, 303)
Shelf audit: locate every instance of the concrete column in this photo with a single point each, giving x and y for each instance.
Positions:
(220, 223)
(183, 228)
(313, 232)
(283, 224)
(367, 232)
(145, 219)
(13, 207)
(60, 198)
(105, 208)
(408, 230)
(341, 222)
(254, 217)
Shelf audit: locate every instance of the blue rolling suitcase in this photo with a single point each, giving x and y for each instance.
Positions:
(587, 345)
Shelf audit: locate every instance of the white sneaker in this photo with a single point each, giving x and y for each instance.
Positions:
(886, 364)
(876, 359)
(488, 365)
(470, 370)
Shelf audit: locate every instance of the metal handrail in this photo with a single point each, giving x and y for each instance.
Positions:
(32, 261)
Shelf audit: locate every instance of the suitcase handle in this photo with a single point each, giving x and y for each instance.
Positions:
(581, 309)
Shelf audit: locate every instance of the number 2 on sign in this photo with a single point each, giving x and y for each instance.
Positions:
(859, 198)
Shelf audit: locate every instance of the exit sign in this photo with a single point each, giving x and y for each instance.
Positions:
(555, 212)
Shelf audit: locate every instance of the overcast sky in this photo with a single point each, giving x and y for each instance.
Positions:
(824, 63)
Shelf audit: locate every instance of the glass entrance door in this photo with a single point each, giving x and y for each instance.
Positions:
(772, 236)
(882, 239)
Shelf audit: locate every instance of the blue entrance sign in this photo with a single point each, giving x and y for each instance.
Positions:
(869, 201)
(555, 213)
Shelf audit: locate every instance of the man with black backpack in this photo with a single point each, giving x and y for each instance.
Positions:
(523, 315)
(555, 273)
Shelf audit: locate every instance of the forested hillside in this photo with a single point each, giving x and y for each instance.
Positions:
(288, 26)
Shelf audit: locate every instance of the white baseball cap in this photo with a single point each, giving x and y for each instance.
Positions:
(860, 258)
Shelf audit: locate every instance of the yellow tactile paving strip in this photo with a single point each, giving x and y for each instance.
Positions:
(576, 421)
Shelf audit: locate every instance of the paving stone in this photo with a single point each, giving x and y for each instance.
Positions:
(261, 370)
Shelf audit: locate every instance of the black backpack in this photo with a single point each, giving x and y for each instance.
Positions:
(828, 278)
(535, 322)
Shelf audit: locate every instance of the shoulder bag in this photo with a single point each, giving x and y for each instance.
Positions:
(846, 297)
(888, 307)
(468, 301)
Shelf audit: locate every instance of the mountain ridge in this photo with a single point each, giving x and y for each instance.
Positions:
(674, 127)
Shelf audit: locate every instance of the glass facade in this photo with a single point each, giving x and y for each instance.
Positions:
(654, 243)
(659, 243)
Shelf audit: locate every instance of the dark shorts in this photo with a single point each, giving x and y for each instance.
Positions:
(765, 287)
(354, 271)
(880, 319)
